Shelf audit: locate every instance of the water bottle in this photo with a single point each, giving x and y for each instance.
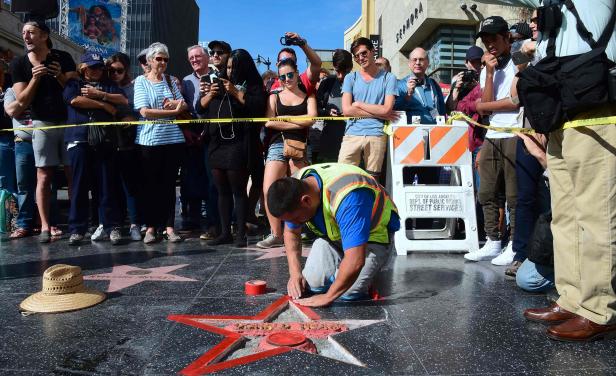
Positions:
(415, 180)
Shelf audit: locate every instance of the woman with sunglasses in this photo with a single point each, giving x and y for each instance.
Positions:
(117, 69)
(290, 102)
(160, 145)
(233, 147)
(92, 98)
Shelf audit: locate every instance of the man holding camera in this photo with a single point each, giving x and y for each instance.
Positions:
(39, 78)
(311, 76)
(419, 95)
(582, 166)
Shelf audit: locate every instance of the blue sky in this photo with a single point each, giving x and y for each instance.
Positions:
(258, 25)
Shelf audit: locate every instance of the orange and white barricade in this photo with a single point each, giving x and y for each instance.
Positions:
(417, 145)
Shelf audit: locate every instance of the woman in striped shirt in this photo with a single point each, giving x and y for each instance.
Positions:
(161, 146)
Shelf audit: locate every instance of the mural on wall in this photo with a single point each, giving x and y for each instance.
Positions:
(96, 25)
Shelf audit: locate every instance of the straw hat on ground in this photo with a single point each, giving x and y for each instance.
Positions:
(63, 290)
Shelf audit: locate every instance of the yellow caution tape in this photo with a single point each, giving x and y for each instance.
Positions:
(387, 128)
(188, 121)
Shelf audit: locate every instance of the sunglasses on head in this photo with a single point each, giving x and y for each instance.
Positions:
(217, 52)
(284, 77)
(160, 58)
(114, 71)
(363, 53)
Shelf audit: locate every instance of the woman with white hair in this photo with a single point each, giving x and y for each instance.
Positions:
(157, 97)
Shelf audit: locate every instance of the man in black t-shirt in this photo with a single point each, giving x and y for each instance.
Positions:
(38, 80)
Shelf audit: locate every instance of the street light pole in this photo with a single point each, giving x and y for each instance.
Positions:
(263, 60)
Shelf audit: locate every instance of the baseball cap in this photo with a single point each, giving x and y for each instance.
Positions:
(141, 56)
(474, 53)
(37, 21)
(493, 25)
(226, 47)
(91, 59)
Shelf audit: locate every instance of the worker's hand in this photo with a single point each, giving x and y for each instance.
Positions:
(296, 286)
(320, 300)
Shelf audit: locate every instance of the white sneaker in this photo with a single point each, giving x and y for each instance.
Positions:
(100, 234)
(491, 249)
(506, 257)
(271, 242)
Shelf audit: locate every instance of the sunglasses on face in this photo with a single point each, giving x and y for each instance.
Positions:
(284, 77)
(363, 53)
(97, 67)
(217, 52)
(116, 71)
(160, 58)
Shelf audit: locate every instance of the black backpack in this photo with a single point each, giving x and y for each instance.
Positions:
(557, 89)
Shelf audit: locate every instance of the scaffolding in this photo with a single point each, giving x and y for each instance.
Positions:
(64, 27)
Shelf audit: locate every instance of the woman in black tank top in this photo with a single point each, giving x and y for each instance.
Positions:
(290, 102)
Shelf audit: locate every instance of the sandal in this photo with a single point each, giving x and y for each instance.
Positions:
(19, 233)
(55, 231)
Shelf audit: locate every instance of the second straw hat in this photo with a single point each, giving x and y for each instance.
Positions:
(63, 290)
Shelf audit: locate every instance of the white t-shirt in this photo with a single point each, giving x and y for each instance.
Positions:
(503, 79)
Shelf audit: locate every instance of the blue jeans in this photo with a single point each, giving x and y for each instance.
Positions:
(193, 178)
(93, 165)
(533, 199)
(7, 163)
(533, 277)
(26, 184)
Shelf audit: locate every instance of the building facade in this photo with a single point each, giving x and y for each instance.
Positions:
(445, 28)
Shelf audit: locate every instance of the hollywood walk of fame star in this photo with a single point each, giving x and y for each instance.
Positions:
(123, 276)
(275, 252)
(236, 329)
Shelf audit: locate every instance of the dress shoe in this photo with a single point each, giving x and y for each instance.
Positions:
(580, 329)
(553, 314)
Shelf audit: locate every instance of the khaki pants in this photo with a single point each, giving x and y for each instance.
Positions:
(498, 179)
(373, 149)
(582, 167)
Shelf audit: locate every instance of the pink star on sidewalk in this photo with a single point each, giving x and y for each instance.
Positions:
(275, 252)
(123, 276)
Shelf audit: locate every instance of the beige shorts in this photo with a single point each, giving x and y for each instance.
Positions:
(372, 148)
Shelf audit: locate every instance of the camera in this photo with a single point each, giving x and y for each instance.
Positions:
(288, 41)
(470, 76)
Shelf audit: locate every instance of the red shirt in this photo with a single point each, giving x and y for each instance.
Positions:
(310, 87)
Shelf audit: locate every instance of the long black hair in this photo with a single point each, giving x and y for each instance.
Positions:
(244, 70)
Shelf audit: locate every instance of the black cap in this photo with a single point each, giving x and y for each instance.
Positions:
(474, 53)
(226, 47)
(523, 29)
(38, 21)
(493, 25)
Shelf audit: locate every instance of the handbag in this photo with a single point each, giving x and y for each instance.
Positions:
(294, 149)
(190, 137)
(540, 247)
(557, 89)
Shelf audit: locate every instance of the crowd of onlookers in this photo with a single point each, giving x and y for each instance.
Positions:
(128, 174)
(118, 174)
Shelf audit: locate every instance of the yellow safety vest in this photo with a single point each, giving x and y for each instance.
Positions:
(338, 181)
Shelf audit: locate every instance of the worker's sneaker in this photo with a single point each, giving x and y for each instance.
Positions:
(100, 234)
(506, 257)
(135, 233)
(491, 249)
(75, 239)
(270, 242)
